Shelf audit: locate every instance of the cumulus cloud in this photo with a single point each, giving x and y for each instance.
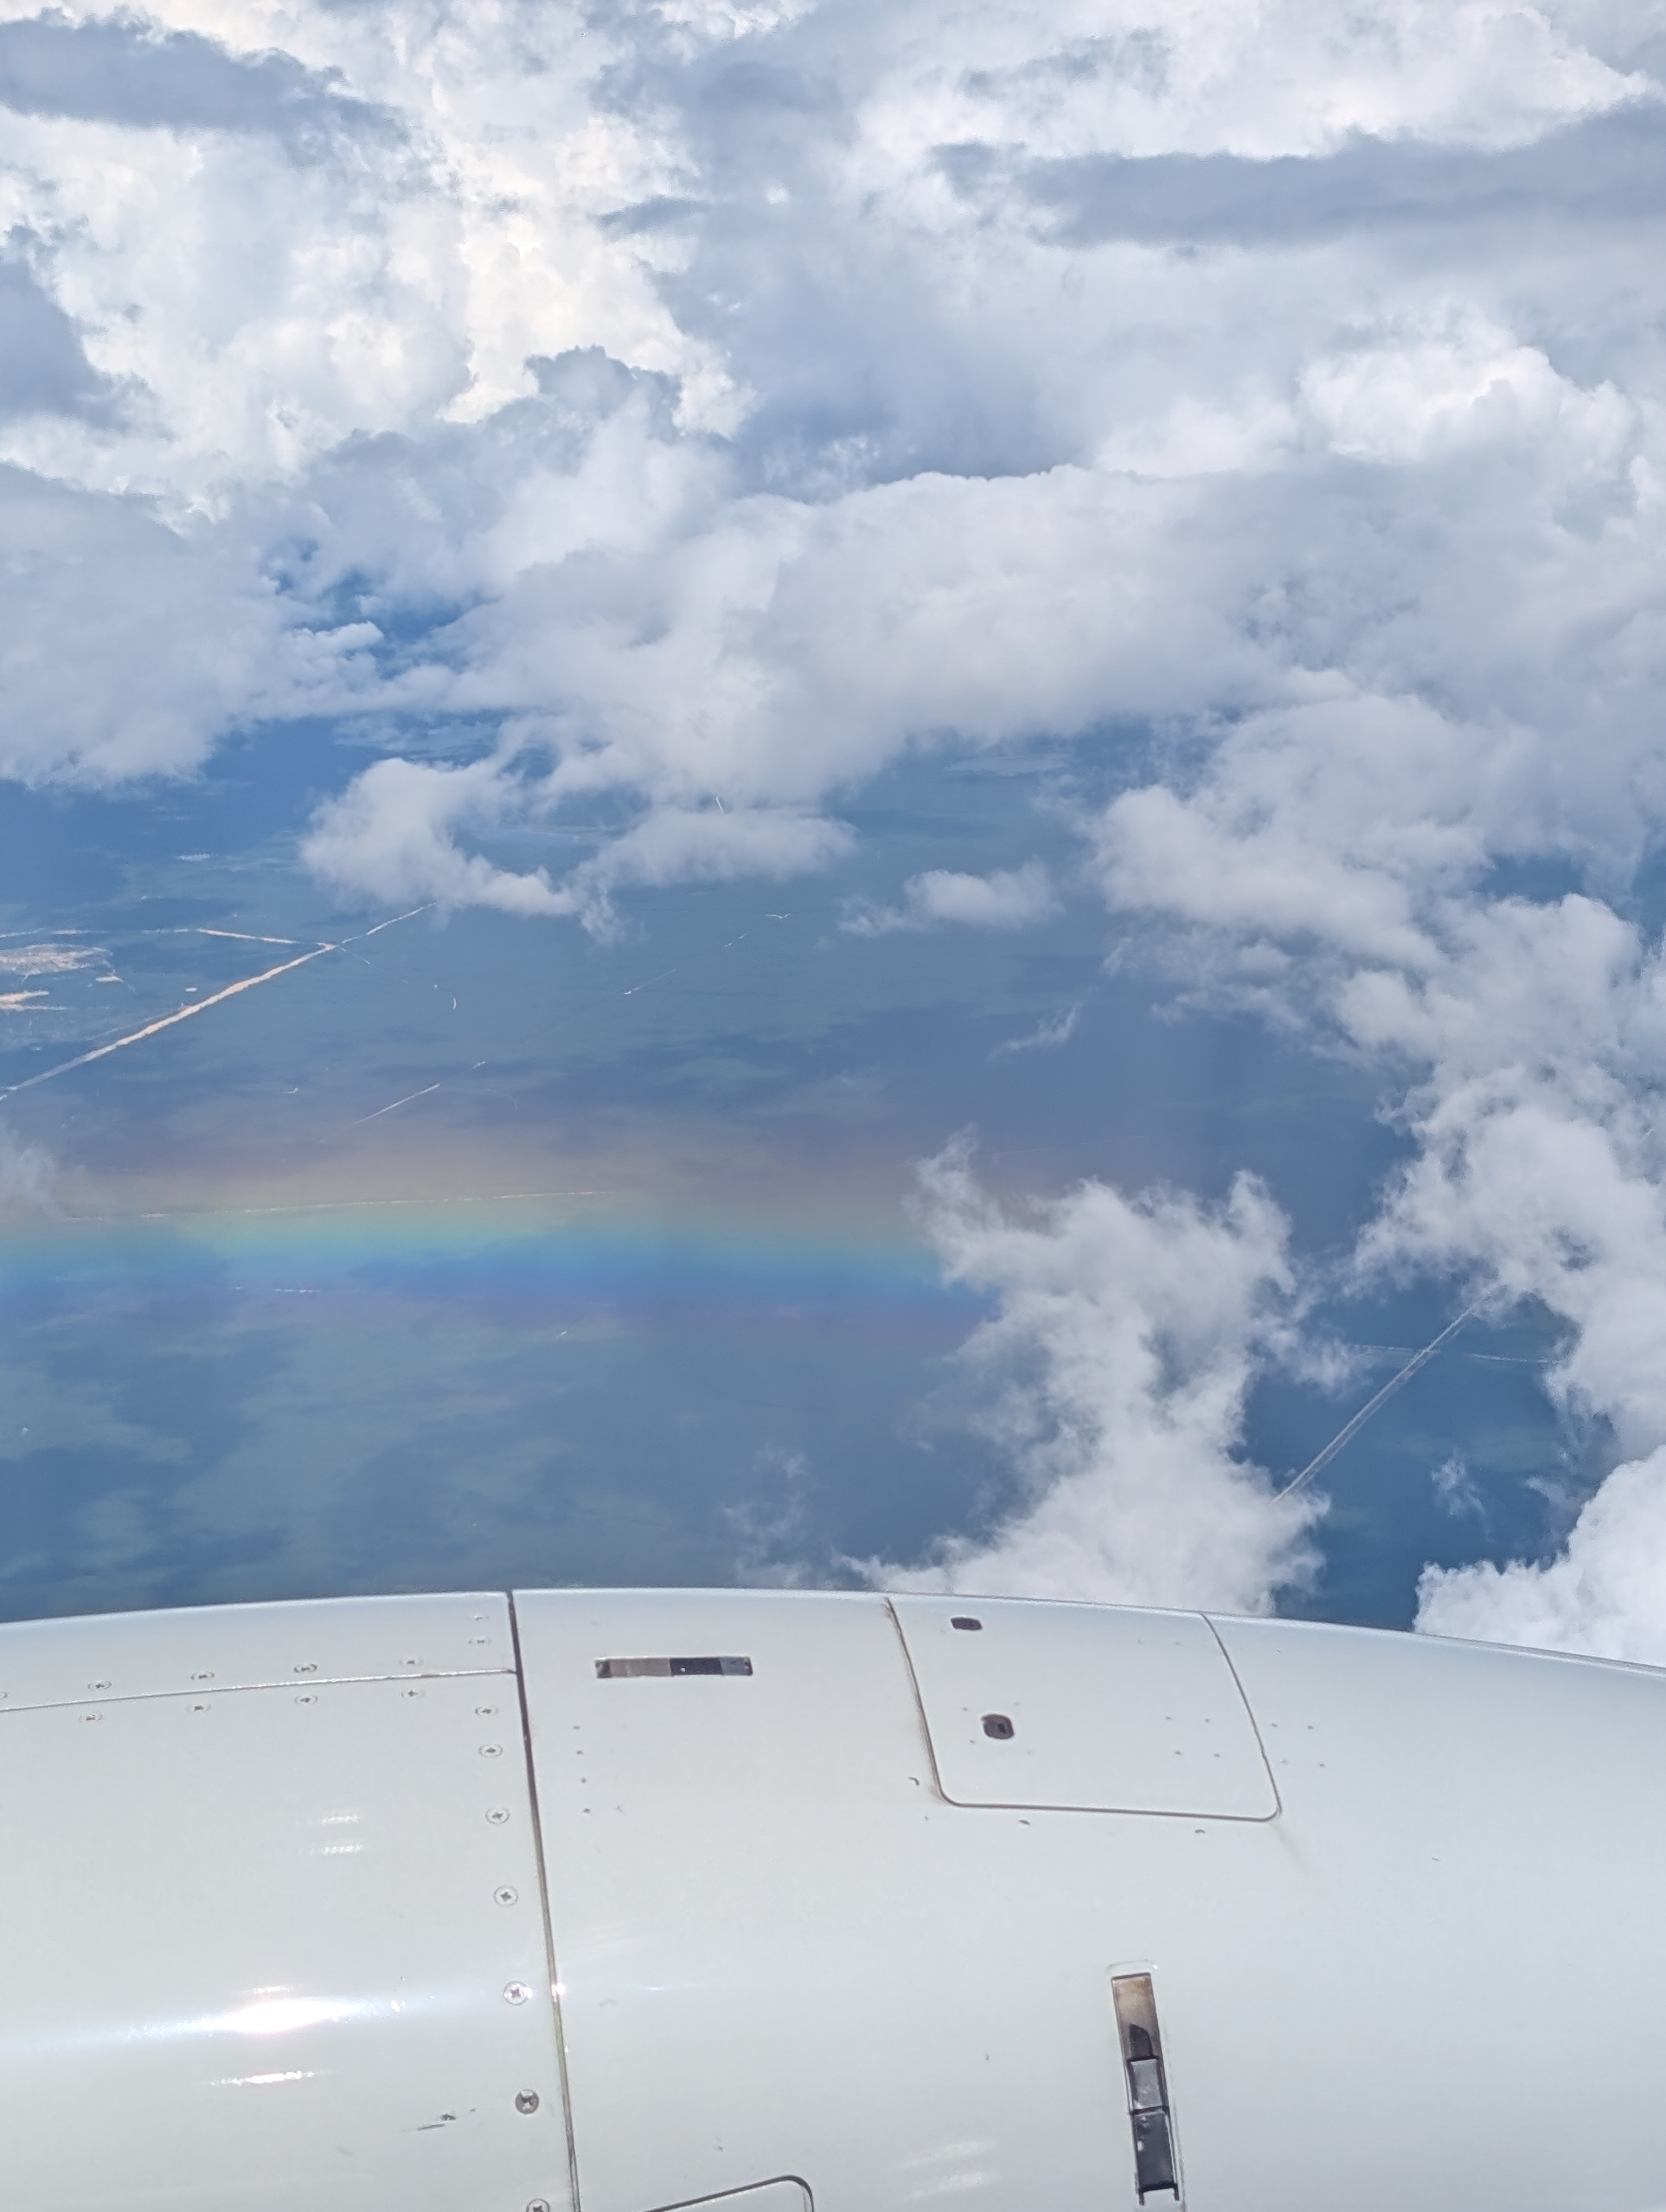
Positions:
(1606, 1593)
(391, 838)
(1126, 1336)
(1007, 898)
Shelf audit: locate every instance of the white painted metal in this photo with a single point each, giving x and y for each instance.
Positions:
(150, 1655)
(1123, 1712)
(767, 2196)
(255, 1943)
(1431, 1982)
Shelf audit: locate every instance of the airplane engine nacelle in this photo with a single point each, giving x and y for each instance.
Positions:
(618, 1901)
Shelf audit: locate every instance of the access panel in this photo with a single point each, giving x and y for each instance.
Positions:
(274, 1948)
(1085, 1707)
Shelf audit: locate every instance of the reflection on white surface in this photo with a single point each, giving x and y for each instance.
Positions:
(282, 2015)
(966, 2169)
(268, 2015)
(263, 2081)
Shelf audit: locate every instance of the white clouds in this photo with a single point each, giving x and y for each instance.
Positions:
(390, 838)
(1126, 1337)
(1008, 898)
(1422, 396)
(28, 1176)
(674, 417)
(1046, 1037)
(270, 301)
(1228, 77)
(127, 649)
(1605, 1595)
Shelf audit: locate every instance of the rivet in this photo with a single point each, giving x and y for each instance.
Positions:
(498, 1815)
(304, 1666)
(491, 1750)
(538, 2204)
(516, 1992)
(526, 2100)
(308, 1700)
(486, 1712)
(412, 1693)
(411, 1662)
(199, 1709)
(477, 1640)
(206, 1676)
(98, 1685)
(91, 1716)
(506, 1895)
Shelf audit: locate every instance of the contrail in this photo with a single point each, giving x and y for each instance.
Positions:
(409, 915)
(388, 1109)
(150, 1029)
(1347, 1434)
(200, 1006)
(247, 936)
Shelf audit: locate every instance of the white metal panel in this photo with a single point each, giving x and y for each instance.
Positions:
(142, 1655)
(781, 1951)
(1108, 1709)
(277, 1947)
(274, 1946)
(1432, 1981)
(767, 2196)
(1479, 1835)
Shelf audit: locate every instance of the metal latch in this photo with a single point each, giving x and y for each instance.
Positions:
(1150, 2114)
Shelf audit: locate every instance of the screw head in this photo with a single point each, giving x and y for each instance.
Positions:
(538, 2204)
(506, 1895)
(207, 1676)
(98, 1685)
(526, 2100)
(497, 1815)
(486, 1712)
(491, 1750)
(308, 1700)
(516, 1992)
(304, 1666)
(91, 1716)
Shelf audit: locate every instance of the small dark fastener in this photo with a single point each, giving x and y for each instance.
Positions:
(998, 1726)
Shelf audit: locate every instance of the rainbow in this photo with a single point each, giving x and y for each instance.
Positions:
(553, 1252)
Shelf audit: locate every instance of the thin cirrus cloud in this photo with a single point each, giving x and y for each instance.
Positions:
(718, 405)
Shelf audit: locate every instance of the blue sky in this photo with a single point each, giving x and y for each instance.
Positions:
(1006, 664)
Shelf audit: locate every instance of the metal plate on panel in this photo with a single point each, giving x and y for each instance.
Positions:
(1083, 1707)
(236, 1647)
(277, 1947)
